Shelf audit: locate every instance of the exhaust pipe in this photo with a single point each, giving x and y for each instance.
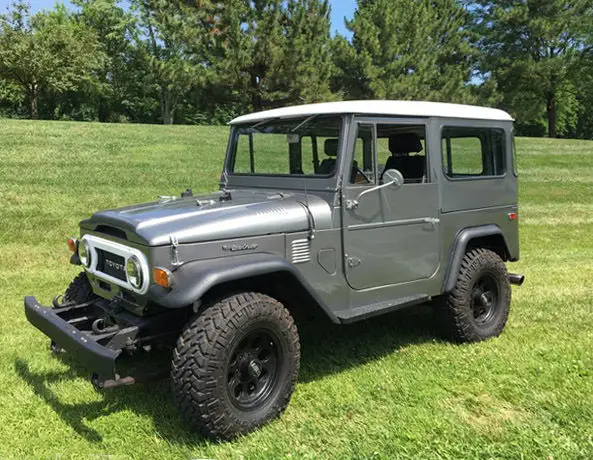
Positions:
(516, 279)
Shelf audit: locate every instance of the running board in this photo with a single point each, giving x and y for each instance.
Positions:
(368, 311)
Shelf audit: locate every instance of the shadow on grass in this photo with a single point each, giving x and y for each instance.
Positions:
(326, 349)
(143, 399)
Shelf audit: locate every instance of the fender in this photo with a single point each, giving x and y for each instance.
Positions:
(459, 248)
(194, 279)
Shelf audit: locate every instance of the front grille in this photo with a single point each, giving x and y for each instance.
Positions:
(111, 264)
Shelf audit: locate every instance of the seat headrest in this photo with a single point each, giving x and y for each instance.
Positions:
(331, 147)
(405, 143)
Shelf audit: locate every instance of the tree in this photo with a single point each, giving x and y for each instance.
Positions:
(274, 52)
(307, 61)
(173, 37)
(252, 42)
(46, 52)
(532, 49)
(410, 49)
(115, 29)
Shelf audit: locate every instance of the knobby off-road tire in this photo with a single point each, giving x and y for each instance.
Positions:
(79, 290)
(235, 365)
(478, 306)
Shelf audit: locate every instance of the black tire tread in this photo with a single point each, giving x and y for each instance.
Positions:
(79, 290)
(454, 314)
(195, 362)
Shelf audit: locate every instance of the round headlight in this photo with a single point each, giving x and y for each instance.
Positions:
(134, 272)
(84, 253)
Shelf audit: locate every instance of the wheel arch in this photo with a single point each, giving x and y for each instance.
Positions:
(203, 280)
(485, 236)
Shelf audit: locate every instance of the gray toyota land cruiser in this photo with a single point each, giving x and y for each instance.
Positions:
(353, 209)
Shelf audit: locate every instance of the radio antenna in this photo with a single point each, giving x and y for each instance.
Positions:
(308, 209)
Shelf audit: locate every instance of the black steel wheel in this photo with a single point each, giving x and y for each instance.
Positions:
(235, 365)
(478, 306)
(252, 371)
(485, 299)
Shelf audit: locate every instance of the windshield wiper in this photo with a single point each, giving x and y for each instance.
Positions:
(259, 123)
(306, 120)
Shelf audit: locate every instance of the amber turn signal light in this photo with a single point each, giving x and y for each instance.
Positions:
(72, 244)
(162, 277)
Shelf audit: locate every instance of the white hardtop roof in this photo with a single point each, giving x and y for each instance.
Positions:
(389, 108)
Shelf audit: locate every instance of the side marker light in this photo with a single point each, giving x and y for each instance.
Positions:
(162, 277)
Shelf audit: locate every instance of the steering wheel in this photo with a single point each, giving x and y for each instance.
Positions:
(362, 173)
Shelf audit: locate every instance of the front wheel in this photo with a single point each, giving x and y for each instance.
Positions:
(235, 365)
(478, 306)
(79, 291)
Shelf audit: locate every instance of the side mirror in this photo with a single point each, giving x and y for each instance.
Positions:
(393, 178)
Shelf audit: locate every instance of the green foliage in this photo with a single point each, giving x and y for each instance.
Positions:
(48, 52)
(12, 97)
(307, 60)
(171, 42)
(206, 61)
(116, 29)
(275, 53)
(408, 49)
(533, 49)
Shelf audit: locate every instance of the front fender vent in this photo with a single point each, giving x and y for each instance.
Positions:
(301, 251)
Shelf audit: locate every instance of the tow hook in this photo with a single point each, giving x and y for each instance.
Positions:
(516, 279)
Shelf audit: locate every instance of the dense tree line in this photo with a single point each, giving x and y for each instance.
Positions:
(205, 61)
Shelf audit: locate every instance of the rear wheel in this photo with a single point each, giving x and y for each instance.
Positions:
(235, 365)
(478, 306)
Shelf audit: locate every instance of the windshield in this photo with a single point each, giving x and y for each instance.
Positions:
(305, 146)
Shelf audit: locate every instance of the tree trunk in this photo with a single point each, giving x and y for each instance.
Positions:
(167, 107)
(552, 109)
(103, 111)
(33, 100)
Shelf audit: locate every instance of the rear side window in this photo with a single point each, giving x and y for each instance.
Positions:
(473, 152)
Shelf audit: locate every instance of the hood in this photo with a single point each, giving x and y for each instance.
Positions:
(207, 218)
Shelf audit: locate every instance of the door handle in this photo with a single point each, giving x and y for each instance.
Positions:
(353, 262)
(432, 220)
(351, 204)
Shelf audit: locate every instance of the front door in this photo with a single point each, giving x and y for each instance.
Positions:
(391, 235)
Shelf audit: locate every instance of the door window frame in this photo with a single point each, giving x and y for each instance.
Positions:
(374, 121)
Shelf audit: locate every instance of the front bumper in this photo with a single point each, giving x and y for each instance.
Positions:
(71, 329)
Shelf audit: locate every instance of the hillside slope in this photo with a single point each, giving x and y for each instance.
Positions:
(385, 388)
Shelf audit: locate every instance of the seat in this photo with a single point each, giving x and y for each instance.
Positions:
(413, 168)
(328, 166)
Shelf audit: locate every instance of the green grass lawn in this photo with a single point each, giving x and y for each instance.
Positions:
(385, 388)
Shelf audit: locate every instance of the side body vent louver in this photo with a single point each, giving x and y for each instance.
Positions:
(301, 251)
